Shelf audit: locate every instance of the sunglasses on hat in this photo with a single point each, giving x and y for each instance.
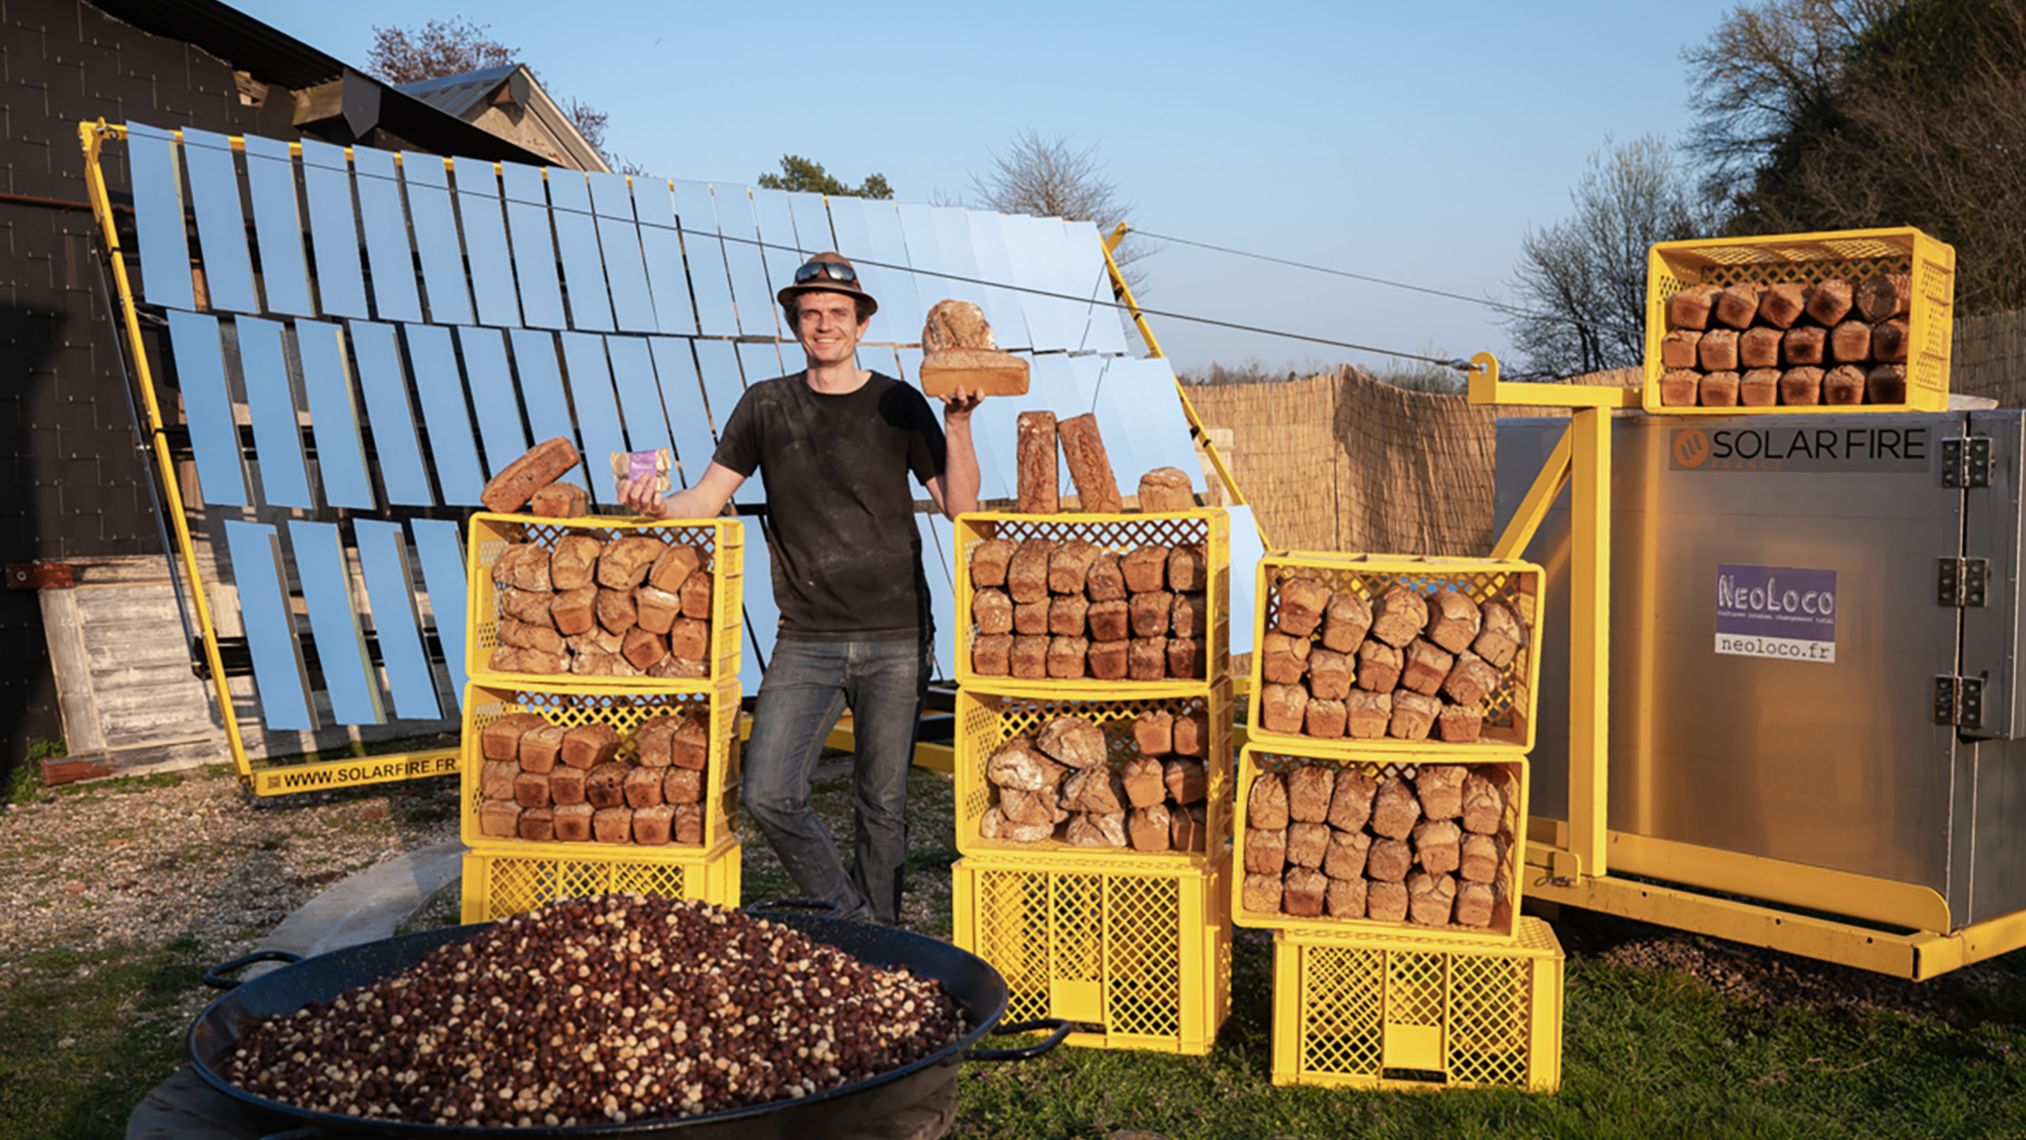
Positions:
(811, 270)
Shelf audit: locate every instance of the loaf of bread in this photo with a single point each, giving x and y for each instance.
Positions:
(1145, 568)
(1109, 621)
(1424, 666)
(1147, 658)
(560, 501)
(1827, 302)
(1038, 484)
(1718, 390)
(1780, 305)
(1300, 603)
(1367, 714)
(1097, 489)
(518, 481)
(1027, 572)
(1105, 582)
(574, 562)
(1166, 489)
(1324, 718)
(1066, 657)
(1345, 622)
(1028, 660)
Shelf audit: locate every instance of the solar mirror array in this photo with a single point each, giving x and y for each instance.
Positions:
(360, 339)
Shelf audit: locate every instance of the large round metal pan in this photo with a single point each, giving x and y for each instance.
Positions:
(974, 985)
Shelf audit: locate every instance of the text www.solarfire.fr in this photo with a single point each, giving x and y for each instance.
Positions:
(367, 771)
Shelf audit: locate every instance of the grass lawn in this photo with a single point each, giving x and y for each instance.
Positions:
(1663, 1033)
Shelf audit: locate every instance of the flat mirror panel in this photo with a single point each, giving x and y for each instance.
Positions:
(960, 258)
(718, 361)
(706, 255)
(207, 407)
(750, 293)
(159, 229)
(542, 388)
(625, 272)
(925, 254)
(485, 243)
(793, 359)
(270, 403)
(443, 282)
(759, 362)
(778, 250)
(988, 245)
(1052, 387)
(597, 415)
(1158, 422)
(439, 547)
(388, 253)
(334, 230)
(1058, 277)
(1086, 374)
(763, 616)
(639, 397)
(577, 241)
(1246, 551)
(854, 241)
(1086, 258)
(661, 249)
(1131, 450)
(1029, 268)
(938, 541)
(682, 397)
(277, 226)
(493, 396)
(390, 590)
(280, 682)
(440, 388)
(334, 622)
(385, 385)
(527, 210)
(334, 415)
(993, 432)
(812, 223)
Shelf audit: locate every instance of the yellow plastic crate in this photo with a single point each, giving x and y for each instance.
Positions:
(624, 710)
(987, 719)
(501, 881)
(1116, 534)
(1505, 918)
(1140, 955)
(1416, 1015)
(722, 540)
(1508, 711)
(1807, 258)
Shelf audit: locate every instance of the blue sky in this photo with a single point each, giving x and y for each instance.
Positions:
(1410, 141)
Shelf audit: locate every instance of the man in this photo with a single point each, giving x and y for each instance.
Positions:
(837, 444)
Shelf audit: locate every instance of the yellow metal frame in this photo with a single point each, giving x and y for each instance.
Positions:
(1570, 862)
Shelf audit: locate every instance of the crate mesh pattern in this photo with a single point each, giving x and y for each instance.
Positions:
(499, 883)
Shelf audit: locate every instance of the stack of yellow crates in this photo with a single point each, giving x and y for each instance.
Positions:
(508, 875)
(1133, 945)
(1375, 999)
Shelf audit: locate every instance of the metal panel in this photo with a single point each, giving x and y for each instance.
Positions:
(939, 546)
(440, 387)
(925, 253)
(527, 211)
(386, 388)
(1100, 329)
(1152, 415)
(774, 217)
(697, 214)
(493, 396)
(207, 407)
(682, 398)
(386, 228)
(960, 259)
(1052, 387)
(440, 549)
(597, 415)
(334, 622)
(542, 389)
(1998, 859)
(334, 415)
(718, 365)
(1991, 631)
(901, 302)
(1126, 443)
(334, 230)
(763, 616)
(1246, 551)
(1030, 258)
(639, 398)
(159, 229)
(993, 434)
(281, 684)
(988, 245)
(277, 226)
(612, 202)
(448, 293)
(661, 248)
(577, 241)
(750, 294)
(760, 363)
(812, 223)
(270, 403)
(854, 241)
(485, 243)
(390, 590)
(1745, 754)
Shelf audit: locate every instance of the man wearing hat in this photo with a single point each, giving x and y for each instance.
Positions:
(836, 445)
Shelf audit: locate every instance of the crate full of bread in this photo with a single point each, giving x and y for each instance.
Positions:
(1389, 653)
(604, 601)
(595, 769)
(1059, 602)
(1851, 321)
(1335, 845)
(1142, 777)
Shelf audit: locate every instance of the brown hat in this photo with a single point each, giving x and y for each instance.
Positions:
(827, 273)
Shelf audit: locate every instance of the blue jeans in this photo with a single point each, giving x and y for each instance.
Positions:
(806, 686)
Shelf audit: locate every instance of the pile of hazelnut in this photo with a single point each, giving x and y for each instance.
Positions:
(610, 1009)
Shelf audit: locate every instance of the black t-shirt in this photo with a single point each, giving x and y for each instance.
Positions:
(846, 553)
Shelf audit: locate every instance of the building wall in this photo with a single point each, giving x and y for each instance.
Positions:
(71, 482)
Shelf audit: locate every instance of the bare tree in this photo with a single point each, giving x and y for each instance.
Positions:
(1580, 283)
(1049, 178)
(437, 48)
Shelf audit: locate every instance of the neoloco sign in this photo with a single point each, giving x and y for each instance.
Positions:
(1776, 611)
